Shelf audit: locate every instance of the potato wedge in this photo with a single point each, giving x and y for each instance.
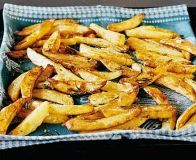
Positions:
(102, 43)
(28, 30)
(98, 54)
(76, 87)
(44, 85)
(32, 121)
(139, 44)
(178, 85)
(85, 125)
(190, 122)
(14, 87)
(53, 96)
(110, 65)
(40, 60)
(185, 116)
(51, 118)
(157, 95)
(150, 32)
(180, 44)
(29, 82)
(191, 83)
(108, 75)
(127, 24)
(66, 109)
(46, 73)
(33, 37)
(8, 113)
(52, 44)
(114, 37)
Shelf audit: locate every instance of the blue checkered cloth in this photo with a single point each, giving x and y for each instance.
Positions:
(171, 17)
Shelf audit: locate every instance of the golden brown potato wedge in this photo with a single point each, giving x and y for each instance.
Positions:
(180, 44)
(29, 82)
(34, 36)
(157, 95)
(8, 113)
(185, 116)
(114, 37)
(178, 85)
(52, 44)
(190, 122)
(32, 121)
(40, 60)
(53, 96)
(110, 65)
(51, 118)
(66, 109)
(46, 73)
(98, 54)
(28, 30)
(108, 75)
(191, 83)
(150, 32)
(127, 24)
(86, 125)
(44, 85)
(76, 87)
(139, 44)
(14, 87)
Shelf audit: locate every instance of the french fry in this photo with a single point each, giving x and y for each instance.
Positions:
(46, 73)
(143, 45)
(8, 113)
(98, 54)
(102, 98)
(190, 122)
(86, 125)
(191, 83)
(178, 85)
(40, 60)
(108, 75)
(98, 42)
(180, 44)
(185, 116)
(32, 121)
(72, 61)
(53, 96)
(29, 82)
(76, 87)
(114, 37)
(34, 36)
(157, 95)
(66, 109)
(150, 32)
(14, 87)
(28, 30)
(51, 118)
(127, 24)
(52, 44)
(110, 65)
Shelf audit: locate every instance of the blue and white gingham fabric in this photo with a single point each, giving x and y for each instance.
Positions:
(88, 14)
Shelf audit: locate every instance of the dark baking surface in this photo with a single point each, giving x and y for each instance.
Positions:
(107, 148)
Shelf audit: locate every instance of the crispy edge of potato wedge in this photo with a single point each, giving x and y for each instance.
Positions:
(33, 37)
(110, 65)
(190, 122)
(46, 73)
(29, 82)
(8, 113)
(52, 96)
(28, 30)
(32, 121)
(185, 116)
(108, 75)
(191, 83)
(114, 37)
(14, 87)
(156, 94)
(178, 85)
(85, 125)
(127, 24)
